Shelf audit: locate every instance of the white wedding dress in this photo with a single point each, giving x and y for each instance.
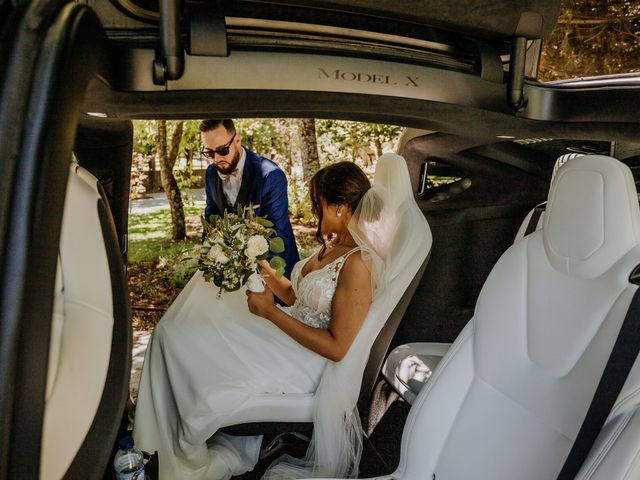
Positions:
(207, 356)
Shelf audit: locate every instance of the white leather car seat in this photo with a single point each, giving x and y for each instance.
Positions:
(509, 397)
(413, 235)
(408, 367)
(90, 300)
(539, 210)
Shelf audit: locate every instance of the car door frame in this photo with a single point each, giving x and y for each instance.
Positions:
(50, 50)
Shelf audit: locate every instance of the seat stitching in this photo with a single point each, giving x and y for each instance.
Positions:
(621, 403)
(89, 306)
(633, 462)
(606, 447)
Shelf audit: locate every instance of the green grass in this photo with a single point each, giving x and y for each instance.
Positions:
(156, 248)
(158, 266)
(150, 234)
(157, 222)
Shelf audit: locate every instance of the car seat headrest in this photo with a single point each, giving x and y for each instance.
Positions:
(592, 217)
(560, 161)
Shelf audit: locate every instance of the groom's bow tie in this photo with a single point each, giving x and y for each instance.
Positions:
(235, 174)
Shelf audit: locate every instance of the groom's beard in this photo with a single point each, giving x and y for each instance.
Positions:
(228, 167)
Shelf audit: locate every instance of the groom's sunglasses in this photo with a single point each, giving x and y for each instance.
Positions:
(222, 151)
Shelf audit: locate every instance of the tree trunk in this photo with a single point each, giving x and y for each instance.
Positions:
(309, 147)
(167, 160)
(152, 173)
(378, 145)
(189, 152)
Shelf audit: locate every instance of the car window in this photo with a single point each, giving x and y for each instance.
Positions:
(439, 181)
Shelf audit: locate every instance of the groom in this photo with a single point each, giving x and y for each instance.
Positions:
(238, 176)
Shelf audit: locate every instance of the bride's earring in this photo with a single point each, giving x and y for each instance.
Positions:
(338, 213)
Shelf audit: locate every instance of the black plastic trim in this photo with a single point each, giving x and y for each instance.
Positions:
(267, 428)
(428, 115)
(635, 276)
(104, 147)
(381, 344)
(602, 101)
(47, 86)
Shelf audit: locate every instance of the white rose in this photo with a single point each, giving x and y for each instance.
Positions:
(217, 254)
(256, 246)
(214, 252)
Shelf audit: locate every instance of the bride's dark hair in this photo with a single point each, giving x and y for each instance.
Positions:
(342, 183)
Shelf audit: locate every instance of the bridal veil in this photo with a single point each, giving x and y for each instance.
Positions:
(391, 230)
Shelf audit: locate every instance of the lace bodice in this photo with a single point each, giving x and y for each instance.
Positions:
(314, 291)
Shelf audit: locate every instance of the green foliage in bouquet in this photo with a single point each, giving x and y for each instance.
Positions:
(232, 245)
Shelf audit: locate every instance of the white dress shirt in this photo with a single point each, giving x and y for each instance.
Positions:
(231, 182)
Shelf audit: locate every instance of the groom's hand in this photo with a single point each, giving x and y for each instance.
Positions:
(262, 303)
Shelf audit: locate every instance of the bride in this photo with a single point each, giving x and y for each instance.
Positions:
(207, 357)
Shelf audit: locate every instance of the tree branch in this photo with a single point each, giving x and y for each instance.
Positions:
(595, 21)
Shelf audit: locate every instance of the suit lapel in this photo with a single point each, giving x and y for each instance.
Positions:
(248, 175)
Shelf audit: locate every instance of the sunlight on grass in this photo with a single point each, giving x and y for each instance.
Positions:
(152, 249)
(150, 234)
(146, 234)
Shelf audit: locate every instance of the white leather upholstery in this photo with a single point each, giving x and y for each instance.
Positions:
(584, 207)
(81, 328)
(507, 400)
(560, 161)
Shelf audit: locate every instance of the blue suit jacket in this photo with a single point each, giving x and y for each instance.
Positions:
(264, 184)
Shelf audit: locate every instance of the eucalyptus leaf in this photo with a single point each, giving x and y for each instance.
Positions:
(279, 272)
(264, 222)
(277, 263)
(276, 245)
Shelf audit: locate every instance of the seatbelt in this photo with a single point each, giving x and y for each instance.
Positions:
(535, 218)
(621, 359)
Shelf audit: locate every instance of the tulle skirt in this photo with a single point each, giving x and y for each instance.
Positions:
(207, 357)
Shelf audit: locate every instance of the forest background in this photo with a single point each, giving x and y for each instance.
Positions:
(592, 37)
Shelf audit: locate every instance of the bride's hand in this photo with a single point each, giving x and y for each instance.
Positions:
(261, 303)
(264, 266)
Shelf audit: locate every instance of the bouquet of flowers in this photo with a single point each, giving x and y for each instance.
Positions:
(232, 245)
